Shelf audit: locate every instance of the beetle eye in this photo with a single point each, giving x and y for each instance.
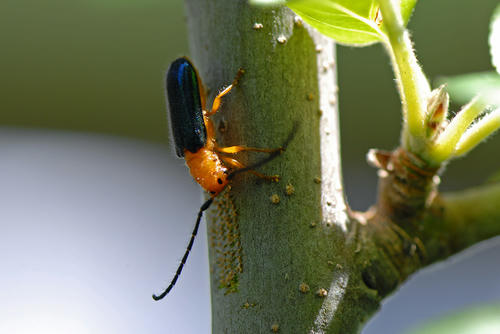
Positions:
(219, 181)
(212, 192)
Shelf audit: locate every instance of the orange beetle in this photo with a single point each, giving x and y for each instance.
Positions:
(194, 137)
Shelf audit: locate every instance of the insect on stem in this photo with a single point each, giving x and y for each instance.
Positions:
(213, 167)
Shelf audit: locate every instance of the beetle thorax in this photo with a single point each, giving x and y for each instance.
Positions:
(207, 169)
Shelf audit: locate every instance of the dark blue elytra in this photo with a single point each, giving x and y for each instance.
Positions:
(184, 105)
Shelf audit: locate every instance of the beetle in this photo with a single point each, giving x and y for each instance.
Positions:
(193, 132)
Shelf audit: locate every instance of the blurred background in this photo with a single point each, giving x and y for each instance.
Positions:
(95, 210)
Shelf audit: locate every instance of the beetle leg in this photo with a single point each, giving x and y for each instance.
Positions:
(233, 163)
(217, 100)
(236, 149)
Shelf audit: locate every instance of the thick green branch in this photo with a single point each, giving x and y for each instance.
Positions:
(285, 255)
(278, 252)
(470, 216)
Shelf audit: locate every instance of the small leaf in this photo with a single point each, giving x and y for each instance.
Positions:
(446, 142)
(355, 23)
(463, 88)
(478, 132)
(494, 39)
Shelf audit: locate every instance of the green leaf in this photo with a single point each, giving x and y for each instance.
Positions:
(346, 21)
(355, 23)
(494, 39)
(446, 142)
(463, 88)
(478, 320)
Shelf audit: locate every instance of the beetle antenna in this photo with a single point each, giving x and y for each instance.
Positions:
(204, 207)
(270, 157)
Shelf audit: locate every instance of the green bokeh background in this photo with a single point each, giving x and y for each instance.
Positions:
(88, 65)
(98, 66)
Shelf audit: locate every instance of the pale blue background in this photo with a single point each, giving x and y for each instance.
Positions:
(91, 225)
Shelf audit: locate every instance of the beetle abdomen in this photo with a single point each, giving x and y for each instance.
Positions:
(184, 105)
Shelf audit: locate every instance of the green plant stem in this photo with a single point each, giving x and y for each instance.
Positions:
(470, 216)
(262, 249)
(412, 226)
(286, 252)
(412, 83)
